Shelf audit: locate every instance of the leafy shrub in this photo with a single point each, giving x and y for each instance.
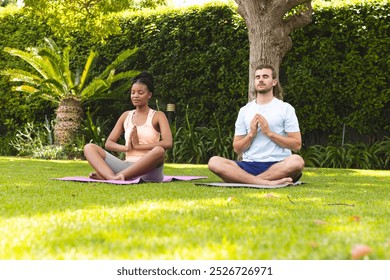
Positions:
(339, 156)
(34, 141)
(188, 144)
(197, 144)
(360, 156)
(49, 152)
(94, 133)
(29, 139)
(6, 149)
(312, 155)
(218, 142)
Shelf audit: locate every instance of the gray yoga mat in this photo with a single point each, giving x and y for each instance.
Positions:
(239, 185)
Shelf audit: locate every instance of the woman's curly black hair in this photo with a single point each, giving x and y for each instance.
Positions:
(146, 79)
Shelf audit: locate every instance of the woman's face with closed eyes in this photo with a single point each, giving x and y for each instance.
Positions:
(140, 94)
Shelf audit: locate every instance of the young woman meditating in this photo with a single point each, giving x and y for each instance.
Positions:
(147, 134)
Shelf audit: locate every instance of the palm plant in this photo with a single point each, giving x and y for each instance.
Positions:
(53, 80)
(313, 155)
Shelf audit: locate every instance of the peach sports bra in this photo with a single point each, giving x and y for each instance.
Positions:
(147, 134)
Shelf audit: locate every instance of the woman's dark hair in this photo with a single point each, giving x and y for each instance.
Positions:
(146, 79)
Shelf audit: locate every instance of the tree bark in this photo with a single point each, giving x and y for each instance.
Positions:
(269, 31)
(68, 121)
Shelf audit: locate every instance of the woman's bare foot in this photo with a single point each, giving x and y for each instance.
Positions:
(95, 176)
(119, 177)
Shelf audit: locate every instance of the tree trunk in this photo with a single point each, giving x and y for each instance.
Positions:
(68, 121)
(269, 30)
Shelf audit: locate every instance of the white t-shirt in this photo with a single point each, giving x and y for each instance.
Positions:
(281, 118)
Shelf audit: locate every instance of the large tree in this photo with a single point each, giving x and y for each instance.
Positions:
(269, 24)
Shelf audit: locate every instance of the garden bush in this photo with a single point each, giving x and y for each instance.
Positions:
(358, 156)
(18, 30)
(339, 76)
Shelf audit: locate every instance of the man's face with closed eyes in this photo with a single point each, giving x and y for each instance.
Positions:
(264, 81)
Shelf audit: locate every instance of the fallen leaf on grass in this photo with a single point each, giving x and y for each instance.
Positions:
(270, 195)
(230, 199)
(320, 222)
(359, 251)
(355, 219)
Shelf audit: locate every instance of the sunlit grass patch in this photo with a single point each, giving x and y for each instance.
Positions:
(41, 218)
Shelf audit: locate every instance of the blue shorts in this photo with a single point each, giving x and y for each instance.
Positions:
(255, 168)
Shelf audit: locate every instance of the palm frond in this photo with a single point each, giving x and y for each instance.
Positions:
(57, 65)
(96, 87)
(51, 56)
(87, 68)
(18, 75)
(125, 75)
(36, 61)
(50, 98)
(62, 60)
(55, 87)
(56, 81)
(118, 91)
(66, 72)
(52, 45)
(120, 59)
(25, 88)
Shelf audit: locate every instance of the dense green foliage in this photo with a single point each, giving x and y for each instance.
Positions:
(200, 59)
(335, 74)
(362, 156)
(19, 31)
(95, 19)
(197, 144)
(341, 76)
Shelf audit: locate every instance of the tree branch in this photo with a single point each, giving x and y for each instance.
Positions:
(281, 7)
(256, 5)
(241, 7)
(299, 20)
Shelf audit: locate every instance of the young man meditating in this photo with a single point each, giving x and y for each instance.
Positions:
(266, 131)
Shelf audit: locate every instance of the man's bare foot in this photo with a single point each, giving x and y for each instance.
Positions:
(95, 176)
(282, 181)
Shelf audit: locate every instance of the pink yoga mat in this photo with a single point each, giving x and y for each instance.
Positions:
(133, 181)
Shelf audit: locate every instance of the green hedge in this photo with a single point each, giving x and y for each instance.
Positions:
(199, 59)
(336, 73)
(19, 31)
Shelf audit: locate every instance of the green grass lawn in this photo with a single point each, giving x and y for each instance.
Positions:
(46, 219)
